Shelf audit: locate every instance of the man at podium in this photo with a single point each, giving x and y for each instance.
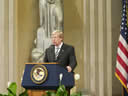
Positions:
(60, 52)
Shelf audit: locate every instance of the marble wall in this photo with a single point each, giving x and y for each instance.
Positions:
(116, 21)
(91, 26)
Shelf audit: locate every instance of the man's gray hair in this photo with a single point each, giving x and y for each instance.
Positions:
(59, 33)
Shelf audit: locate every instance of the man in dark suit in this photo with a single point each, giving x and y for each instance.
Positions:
(60, 52)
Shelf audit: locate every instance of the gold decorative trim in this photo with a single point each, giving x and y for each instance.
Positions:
(43, 63)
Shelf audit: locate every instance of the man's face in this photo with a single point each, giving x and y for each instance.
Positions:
(56, 40)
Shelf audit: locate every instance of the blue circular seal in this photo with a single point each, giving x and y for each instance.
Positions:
(39, 74)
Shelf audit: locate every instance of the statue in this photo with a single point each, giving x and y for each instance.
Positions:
(51, 18)
(51, 15)
(42, 8)
(56, 14)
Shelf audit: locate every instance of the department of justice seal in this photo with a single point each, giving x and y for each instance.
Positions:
(39, 74)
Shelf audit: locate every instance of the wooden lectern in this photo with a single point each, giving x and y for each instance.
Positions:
(47, 78)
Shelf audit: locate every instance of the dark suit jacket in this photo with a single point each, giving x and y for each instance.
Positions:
(65, 58)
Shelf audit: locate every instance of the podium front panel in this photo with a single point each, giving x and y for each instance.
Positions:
(52, 80)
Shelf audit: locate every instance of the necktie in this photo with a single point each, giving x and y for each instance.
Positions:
(57, 52)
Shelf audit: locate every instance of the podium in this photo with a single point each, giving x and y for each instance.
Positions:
(51, 81)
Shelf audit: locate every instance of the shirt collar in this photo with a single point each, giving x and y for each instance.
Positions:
(59, 45)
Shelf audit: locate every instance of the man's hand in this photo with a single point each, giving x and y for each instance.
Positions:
(69, 68)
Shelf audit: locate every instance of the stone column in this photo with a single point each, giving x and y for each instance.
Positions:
(3, 46)
(12, 41)
(98, 63)
(7, 65)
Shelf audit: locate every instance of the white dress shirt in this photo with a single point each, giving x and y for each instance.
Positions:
(57, 48)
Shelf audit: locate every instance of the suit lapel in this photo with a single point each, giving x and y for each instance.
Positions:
(52, 53)
(61, 51)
